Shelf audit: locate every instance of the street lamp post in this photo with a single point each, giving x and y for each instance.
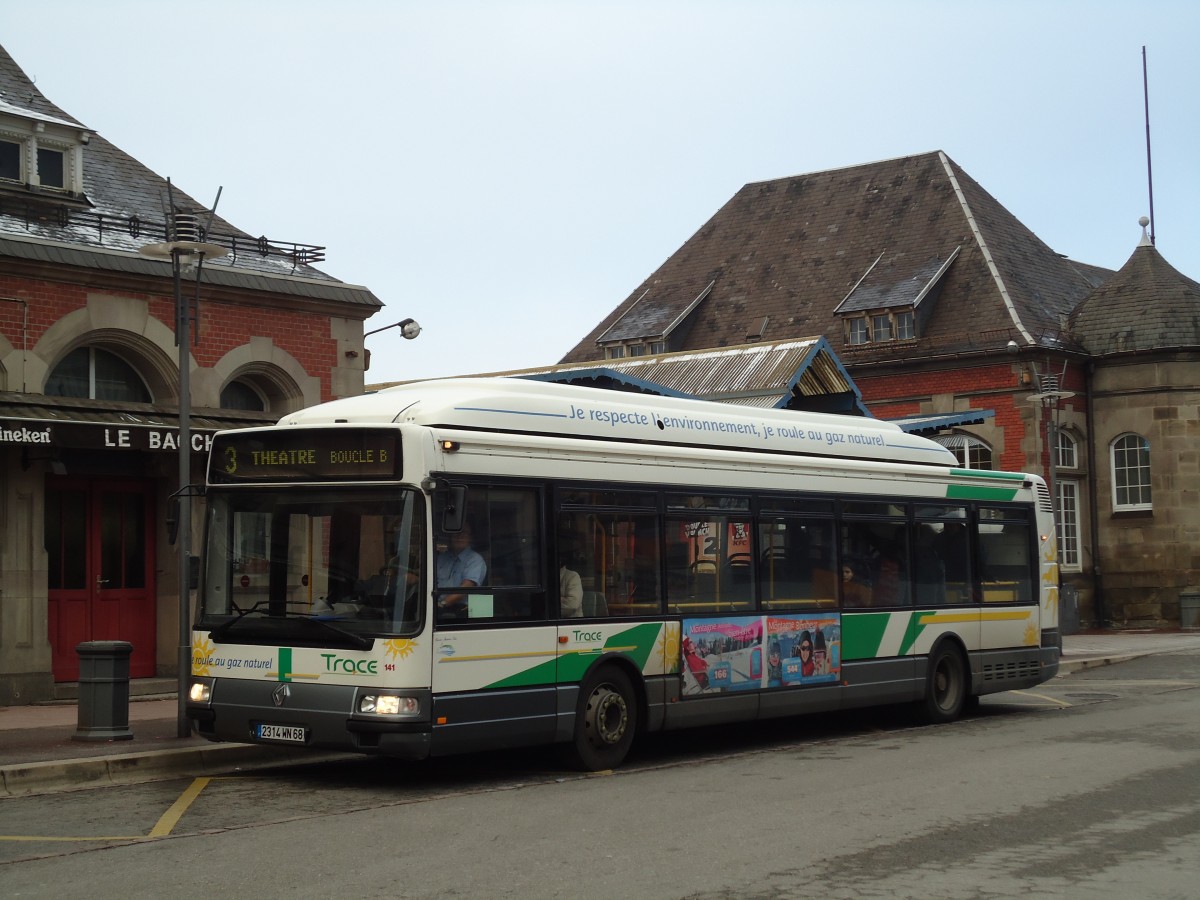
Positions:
(1049, 396)
(185, 251)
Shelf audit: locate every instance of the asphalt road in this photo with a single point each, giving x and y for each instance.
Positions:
(1088, 786)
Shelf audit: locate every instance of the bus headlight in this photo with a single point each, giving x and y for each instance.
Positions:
(388, 705)
(200, 692)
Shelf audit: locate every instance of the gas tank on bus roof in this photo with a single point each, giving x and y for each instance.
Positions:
(537, 407)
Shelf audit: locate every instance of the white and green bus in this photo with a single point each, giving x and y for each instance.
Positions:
(470, 564)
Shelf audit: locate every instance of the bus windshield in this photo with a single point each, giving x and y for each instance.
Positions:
(351, 559)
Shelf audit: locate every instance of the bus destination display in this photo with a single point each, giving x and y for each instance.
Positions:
(304, 455)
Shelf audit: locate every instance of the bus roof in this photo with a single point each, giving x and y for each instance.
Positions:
(516, 405)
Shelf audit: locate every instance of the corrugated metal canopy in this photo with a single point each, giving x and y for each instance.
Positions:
(932, 424)
(797, 374)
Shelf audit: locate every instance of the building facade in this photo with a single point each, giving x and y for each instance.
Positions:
(942, 306)
(90, 387)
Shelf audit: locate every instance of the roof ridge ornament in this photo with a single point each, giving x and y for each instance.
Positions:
(1145, 241)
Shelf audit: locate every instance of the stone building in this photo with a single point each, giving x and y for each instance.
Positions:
(944, 308)
(90, 393)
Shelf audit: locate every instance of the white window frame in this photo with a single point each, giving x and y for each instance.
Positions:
(881, 327)
(967, 449)
(905, 327)
(1141, 490)
(1067, 451)
(1066, 520)
(858, 331)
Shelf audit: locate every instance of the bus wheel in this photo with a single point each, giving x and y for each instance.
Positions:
(946, 686)
(605, 721)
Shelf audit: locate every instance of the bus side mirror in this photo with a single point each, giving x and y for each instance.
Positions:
(454, 508)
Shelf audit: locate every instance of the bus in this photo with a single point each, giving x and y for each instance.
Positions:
(471, 564)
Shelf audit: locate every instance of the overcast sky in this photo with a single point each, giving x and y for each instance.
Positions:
(507, 172)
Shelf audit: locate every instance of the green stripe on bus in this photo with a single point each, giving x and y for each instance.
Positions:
(972, 492)
(988, 473)
(635, 643)
(862, 634)
(542, 673)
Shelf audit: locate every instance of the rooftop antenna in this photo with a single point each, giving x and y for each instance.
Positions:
(1149, 170)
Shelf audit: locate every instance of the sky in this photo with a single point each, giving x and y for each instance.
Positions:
(507, 172)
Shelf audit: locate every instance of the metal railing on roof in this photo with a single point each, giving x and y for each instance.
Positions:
(62, 215)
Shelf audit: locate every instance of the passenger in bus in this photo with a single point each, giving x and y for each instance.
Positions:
(570, 592)
(854, 592)
(458, 566)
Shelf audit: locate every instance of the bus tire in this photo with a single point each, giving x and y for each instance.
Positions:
(605, 722)
(945, 685)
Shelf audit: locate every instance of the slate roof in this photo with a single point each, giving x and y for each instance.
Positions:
(795, 248)
(124, 211)
(1147, 305)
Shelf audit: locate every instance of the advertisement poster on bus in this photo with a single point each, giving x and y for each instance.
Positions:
(803, 650)
(740, 653)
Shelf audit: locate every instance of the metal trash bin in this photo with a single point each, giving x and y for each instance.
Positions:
(103, 691)
(1189, 609)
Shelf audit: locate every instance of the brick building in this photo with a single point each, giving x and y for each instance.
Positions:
(90, 388)
(942, 306)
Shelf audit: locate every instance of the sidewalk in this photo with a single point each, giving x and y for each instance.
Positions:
(38, 754)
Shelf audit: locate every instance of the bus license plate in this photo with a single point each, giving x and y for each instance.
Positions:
(291, 734)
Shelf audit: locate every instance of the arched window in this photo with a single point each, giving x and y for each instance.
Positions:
(1068, 458)
(1131, 472)
(972, 453)
(97, 374)
(240, 395)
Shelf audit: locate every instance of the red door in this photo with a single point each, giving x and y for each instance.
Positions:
(99, 544)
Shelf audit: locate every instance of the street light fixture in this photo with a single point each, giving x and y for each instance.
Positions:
(408, 327)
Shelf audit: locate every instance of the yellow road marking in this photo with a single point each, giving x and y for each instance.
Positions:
(166, 822)
(1062, 704)
(172, 816)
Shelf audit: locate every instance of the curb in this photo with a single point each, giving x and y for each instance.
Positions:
(1095, 662)
(26, 779)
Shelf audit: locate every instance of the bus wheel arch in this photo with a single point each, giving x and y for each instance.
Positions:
(608, 717)
(947, 683)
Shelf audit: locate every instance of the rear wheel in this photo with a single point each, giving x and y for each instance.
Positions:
(605, 721)
(946, 685)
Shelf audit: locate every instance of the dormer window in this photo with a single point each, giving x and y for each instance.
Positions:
(894, 325)
(41, 153)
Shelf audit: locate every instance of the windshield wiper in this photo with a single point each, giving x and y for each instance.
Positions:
(286, 626)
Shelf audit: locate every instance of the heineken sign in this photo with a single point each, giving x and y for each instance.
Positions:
(99, 436)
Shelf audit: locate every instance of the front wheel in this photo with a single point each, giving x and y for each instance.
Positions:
(945, 687)
(605, 721)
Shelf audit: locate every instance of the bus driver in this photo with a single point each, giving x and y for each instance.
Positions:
(458, 566)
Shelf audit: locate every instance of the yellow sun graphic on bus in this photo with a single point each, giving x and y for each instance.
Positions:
(399, 648)
(669, 643)
(1031, 635)
(202, 653)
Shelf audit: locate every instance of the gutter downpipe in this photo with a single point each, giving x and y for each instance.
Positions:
(1093, 502)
